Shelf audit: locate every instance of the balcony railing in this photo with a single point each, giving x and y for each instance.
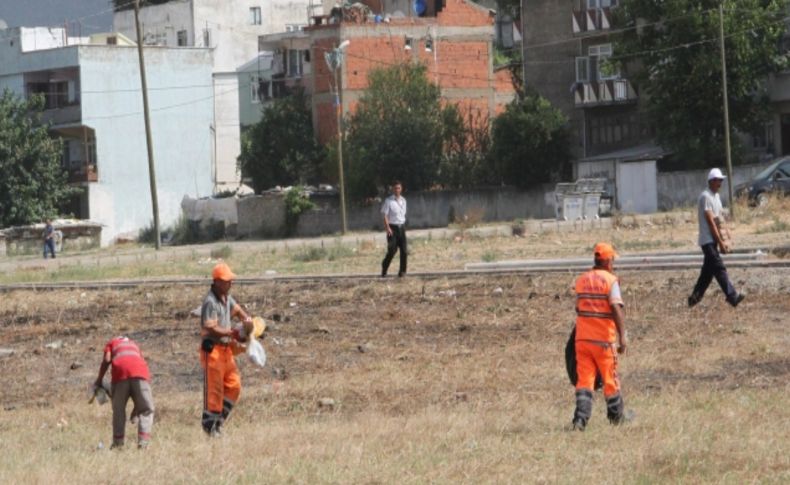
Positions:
(64, 115)
(80, 172)
(617, 91)
(591, 20)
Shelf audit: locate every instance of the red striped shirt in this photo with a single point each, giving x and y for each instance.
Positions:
(127, 361)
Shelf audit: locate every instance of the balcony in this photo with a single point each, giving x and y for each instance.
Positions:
(81, 172)
(63, 115)
(604, 93)
(591, 20)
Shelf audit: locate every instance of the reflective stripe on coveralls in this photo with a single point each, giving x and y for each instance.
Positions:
(594, 318)
(221, 386)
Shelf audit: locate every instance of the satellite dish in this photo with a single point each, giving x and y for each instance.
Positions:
(419, 6)
(3, 24)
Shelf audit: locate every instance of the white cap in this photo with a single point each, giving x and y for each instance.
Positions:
(715, 173)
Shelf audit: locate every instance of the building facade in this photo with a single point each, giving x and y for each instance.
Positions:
(231, 29)
(94, 104)
(454, 39)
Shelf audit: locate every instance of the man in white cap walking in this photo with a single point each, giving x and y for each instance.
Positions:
(711, 240)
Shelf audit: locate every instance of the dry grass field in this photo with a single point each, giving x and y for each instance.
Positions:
(445, 381)
(433, 381)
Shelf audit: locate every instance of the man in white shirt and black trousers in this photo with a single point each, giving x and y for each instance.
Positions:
(711, 240)
(394, 211)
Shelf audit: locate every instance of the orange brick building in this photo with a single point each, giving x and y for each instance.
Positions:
(453, 38)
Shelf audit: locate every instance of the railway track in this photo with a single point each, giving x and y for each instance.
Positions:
(640, 263)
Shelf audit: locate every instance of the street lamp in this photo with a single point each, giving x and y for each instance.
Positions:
(334, 60)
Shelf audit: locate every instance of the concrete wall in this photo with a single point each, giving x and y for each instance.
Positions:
(546, 26)
(234, 40)
(180, 99)
(159, 23)
(681, 189)
(264, 215)
(261, 215)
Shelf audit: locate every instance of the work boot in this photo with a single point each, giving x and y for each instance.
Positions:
(694, 299)
(738, 299)
(615, 408)
(143, 444)
(583, 409)
(578, 424)
(116, 445)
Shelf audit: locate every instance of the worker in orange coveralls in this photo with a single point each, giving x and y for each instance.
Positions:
(600, 336)
(222, 383)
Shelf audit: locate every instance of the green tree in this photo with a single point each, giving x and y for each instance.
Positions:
(674, 58)
(33, 183)
(467, 142)
(397, 132)
(529, 142)
(281, 149)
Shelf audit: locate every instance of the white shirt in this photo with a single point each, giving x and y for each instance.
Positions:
(708, 201)
(394, 209)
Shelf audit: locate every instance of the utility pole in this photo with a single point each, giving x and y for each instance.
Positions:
(149, 144)
(334, 60)
(726, 110)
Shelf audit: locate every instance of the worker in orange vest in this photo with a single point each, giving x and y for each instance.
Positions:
(222, 383)
(600, 336)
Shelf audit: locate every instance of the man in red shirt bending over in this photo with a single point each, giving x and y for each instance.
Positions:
(130, 378)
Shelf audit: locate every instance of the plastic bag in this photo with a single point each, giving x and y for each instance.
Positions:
(98, 394)
(256, 353)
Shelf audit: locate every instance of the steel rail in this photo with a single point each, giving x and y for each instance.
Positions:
(429, 275)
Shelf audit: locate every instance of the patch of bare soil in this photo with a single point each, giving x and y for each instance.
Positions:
(401, 345)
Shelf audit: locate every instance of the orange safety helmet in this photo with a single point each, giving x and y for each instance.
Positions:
(604, 251)
(222, 272)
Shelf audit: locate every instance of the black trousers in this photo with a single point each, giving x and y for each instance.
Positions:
(713, 267)
(395, 242)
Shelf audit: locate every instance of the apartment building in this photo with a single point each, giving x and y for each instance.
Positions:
(453, 38)
(94, 104)
(231, 30)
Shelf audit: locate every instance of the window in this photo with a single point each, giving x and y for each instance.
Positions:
(255, 94)
(582, 69)
(294, 63)
(602, 67)
(181, 38)
(255, 15)
(591, 4)
(259, 89)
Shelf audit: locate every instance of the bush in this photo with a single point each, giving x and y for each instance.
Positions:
(296, 203)
(184, 232)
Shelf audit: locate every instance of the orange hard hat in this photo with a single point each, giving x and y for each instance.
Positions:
(604, 251)
(222, 272)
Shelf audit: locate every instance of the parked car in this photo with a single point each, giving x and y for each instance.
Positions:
(774, 179)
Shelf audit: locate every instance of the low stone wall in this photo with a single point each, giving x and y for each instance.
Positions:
(433, 209)
(264, 215)
(28, 240)
(261, 216)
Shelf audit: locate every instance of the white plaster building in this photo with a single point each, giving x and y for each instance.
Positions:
(94, 102)
(231, 28)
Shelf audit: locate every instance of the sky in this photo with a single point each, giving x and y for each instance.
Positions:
(83, 16)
